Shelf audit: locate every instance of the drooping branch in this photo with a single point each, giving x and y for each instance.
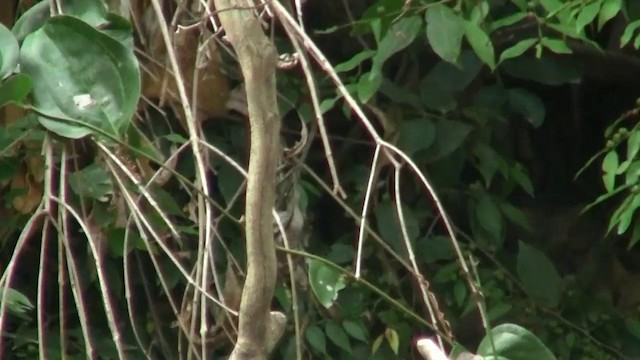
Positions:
(258, 57)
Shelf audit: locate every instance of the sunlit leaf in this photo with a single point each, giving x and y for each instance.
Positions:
(98, 85)
(445, 30)
(588, 13)
(609, 10)
(518, 49)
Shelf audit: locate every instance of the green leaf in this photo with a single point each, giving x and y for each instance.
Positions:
(450, 135)
(15, 89)
(507, 21)
(513, 342)
(489, 161)
(479, 12)
(459, 292)
(393, 339)
(444, 81)
(229, 181)
(341, 253)
(515, 215)
(400, 35)
(337, 336)
(609, 10)
(499, 311)
(609, 167)
(316, 338)
(355, 61)
(588, 13)
(93, 181)
(9, 50)
(489, 216)
(628, 32)
(519, 175)
(557, 46)
(635, 235)
(326, 282)
(539, 276)
(355, 330)
(518, 49)
(31, 20)
(633, 144)
(430, 249)
(528, 105)
(416, 135)
(368, 85)
(17, 303)
(98, 85)
(445, 30)
(480, 43)
(633, 173)
(626, 217)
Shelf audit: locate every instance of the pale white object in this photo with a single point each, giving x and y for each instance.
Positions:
(430, 351)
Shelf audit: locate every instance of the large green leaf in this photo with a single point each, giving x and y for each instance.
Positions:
(445, 30)
(325, 282)
(513, 342)
(539, 276)
(80, 74)
(9, 50)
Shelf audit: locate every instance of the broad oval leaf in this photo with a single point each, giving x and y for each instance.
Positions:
(445, 30)
(513, 342)
(539, 276)
(82, 75)
(325, 282)
(9, 50)
(480, 43)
